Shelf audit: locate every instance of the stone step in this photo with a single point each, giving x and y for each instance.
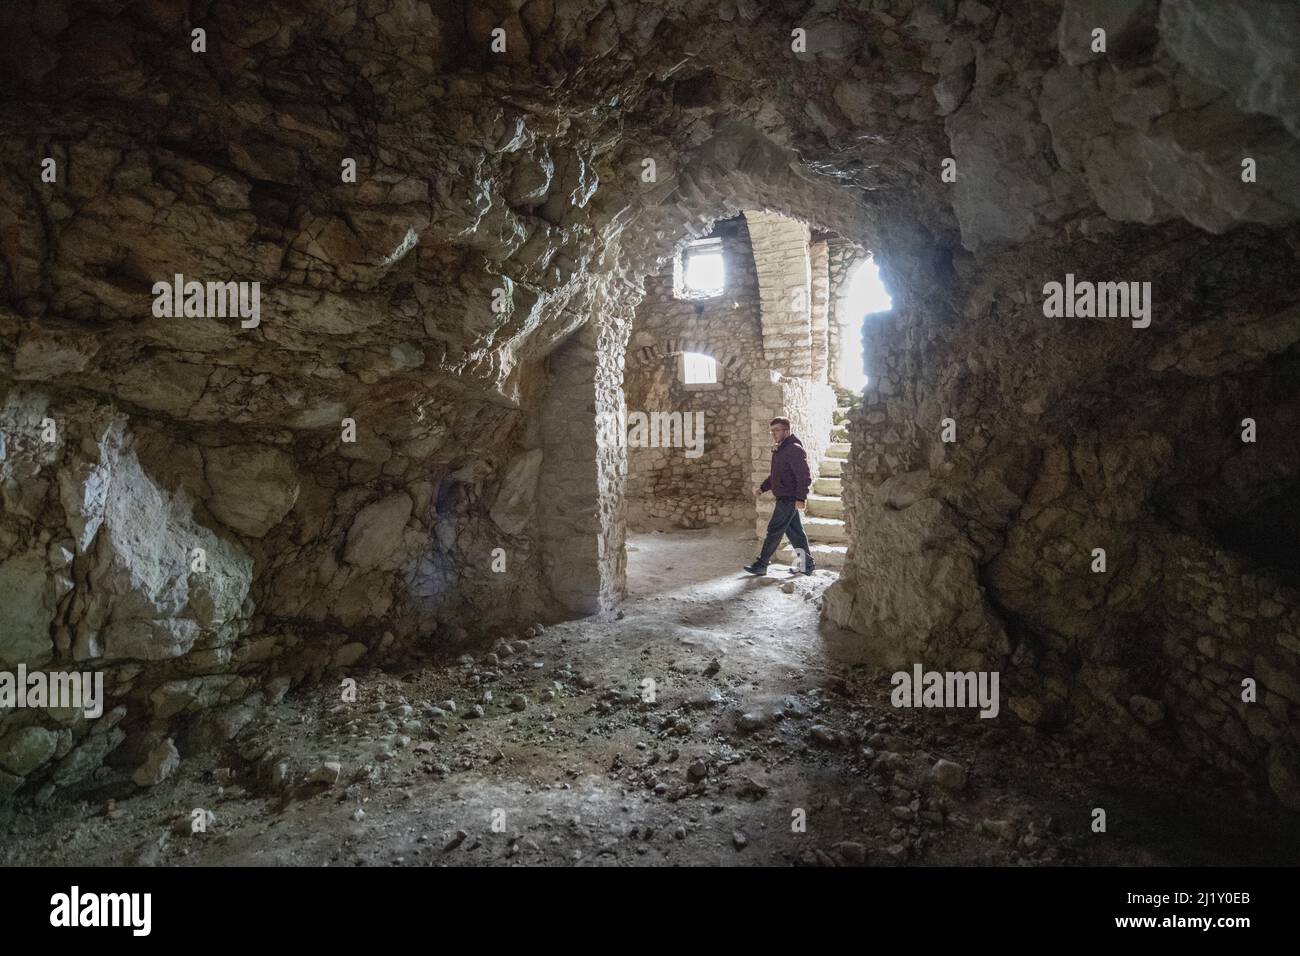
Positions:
(825, 506)
(831, 487)
(824, 530)
(838, 449)
(831, 467)
(823, 555)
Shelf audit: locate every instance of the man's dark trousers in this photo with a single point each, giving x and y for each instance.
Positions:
(785, 521)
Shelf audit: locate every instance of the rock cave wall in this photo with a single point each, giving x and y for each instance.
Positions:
(465, 303)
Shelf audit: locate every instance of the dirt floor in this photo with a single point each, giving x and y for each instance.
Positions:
(770, 740)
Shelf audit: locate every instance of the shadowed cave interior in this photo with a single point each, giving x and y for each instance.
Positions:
(413, 533)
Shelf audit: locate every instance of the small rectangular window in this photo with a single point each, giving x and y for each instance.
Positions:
(699, 369)
(703, 272)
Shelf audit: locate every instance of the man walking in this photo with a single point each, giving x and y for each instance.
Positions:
(789, 482)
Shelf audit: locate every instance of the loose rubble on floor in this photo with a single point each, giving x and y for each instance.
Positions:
(756, 744)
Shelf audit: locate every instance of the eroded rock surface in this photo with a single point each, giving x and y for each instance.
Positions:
(210, 513)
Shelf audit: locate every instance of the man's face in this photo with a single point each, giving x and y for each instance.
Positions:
(778, 433)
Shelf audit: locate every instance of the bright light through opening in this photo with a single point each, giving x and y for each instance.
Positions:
(704, 274)
(699, 369)
(865, 295)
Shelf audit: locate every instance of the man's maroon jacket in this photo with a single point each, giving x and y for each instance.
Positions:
(790, 477)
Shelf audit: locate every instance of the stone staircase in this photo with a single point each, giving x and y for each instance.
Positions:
(824, 520)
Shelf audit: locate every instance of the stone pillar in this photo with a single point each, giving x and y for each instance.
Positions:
(785, 291)
(581, 506)
(765, 404)
(819, 264)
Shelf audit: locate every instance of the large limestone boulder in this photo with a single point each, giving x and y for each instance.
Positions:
(253, 487)
(152, 595)
(913, 584)
(158, 766)
(376, 532)
(27, 748)
(1150, 149)
(1005, 186)
(27, 605)
(1248, 49)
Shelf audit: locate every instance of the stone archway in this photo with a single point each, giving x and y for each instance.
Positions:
(729, 365)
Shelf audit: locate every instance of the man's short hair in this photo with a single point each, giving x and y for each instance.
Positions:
(783, 422)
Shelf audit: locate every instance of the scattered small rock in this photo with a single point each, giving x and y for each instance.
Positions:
(851, 852)
(823, 735)
(1002, 829)
(949, 775)
(159, 765)
(327, 774)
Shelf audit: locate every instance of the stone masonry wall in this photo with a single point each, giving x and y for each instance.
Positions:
(780, 247)
(581, 509)
(665, 486)
(819, 269)
(670, 485)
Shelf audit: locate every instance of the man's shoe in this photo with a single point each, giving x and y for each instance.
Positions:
(756, 568)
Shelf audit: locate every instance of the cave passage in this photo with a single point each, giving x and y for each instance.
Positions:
(385, 390)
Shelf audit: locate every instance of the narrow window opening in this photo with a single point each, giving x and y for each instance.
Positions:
(864, 295)
(703, 269)
(699, 369)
